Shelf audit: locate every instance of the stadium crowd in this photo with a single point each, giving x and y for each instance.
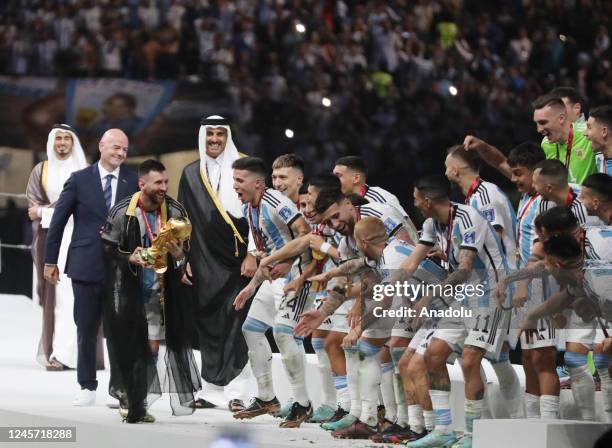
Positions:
(382, 79)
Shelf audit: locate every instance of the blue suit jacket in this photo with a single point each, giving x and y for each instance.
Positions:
(82, 197)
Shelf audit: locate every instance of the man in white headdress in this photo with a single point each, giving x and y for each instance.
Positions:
(219, 264)
(58, 344)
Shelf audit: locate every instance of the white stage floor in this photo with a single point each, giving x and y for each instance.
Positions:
(30, 396)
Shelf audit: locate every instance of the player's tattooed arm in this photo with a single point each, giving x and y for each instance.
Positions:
(350, 267)
(333, 301)
(467, 257)
(531, 271)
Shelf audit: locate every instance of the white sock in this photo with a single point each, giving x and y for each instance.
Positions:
(430, 420)
(388, 392)
(400, 400)
(473, 411)
(398, 388)
(509, 387)
(352, 380)
(532, 405)
(440, 399)
(549, 406)
(327, 380)
(344, 399)
(260, 356)
(370, 379)
(416, 417)
(583, 386)
(602, 362)
(293, 358)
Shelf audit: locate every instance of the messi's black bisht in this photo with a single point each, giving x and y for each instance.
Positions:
(134, 376)
(216, 281)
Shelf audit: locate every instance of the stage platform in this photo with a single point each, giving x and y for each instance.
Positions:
(31, 396)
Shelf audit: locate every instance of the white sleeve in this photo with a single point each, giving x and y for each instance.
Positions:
(46, 213)
(392, 220)
(428, 235)
(473, 237)
(287, 211)
(493, 213)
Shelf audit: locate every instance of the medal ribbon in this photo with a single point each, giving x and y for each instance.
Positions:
(472, 189)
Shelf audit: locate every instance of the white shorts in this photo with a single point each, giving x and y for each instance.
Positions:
(267, 300)
(420, 340)
(486, 329)
(580, 332)
(546, 335)
(293, 305)
(317, 303)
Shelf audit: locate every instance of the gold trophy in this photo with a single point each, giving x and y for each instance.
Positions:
(175, 229)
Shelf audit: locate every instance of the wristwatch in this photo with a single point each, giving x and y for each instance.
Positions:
(180, 262)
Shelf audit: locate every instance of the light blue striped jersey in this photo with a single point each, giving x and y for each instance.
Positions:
(528, 209)
(391, 218)
(271, 220)
(469, 231)
(395, 253)
(603, 165)
(598, 243)
(494, 205)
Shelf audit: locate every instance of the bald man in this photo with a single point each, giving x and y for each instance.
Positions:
(88, 195)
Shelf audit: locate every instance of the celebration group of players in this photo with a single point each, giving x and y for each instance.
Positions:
(540, 273)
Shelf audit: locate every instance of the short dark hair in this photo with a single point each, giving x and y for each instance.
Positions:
(557, 220)
(527, 154)
(251, 164)
(553, 168)
(601, 184)
(353, 162)
(303, 189)
(563, 246)
(548, 100)
(326, 198)
(325, 181)
(289, 161)
(434, 186)
(150, 165)
(603, 114)
(470, 158)
(571, 94)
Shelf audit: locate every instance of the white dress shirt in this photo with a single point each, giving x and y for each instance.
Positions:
(114, 181)
(213, 168)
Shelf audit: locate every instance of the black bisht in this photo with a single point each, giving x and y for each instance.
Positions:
(134, 376)
(216, 281)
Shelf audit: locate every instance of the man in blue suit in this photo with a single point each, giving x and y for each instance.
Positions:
(88, 195)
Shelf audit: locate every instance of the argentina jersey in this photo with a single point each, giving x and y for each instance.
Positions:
(469, 230)
(603, 165)
(577, 208)
(596, 286)
(392, 218)
(598, 243)
(382, 196)
(526, 236)
(495, 206)
(272, 219)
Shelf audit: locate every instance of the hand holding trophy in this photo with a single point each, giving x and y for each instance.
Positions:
(175, 230)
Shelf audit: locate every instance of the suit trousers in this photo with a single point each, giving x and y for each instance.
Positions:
(87, 317)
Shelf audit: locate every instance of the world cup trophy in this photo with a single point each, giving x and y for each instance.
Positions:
(175, 229)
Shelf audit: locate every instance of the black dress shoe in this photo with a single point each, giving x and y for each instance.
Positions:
(236, 405)
(201, 403)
